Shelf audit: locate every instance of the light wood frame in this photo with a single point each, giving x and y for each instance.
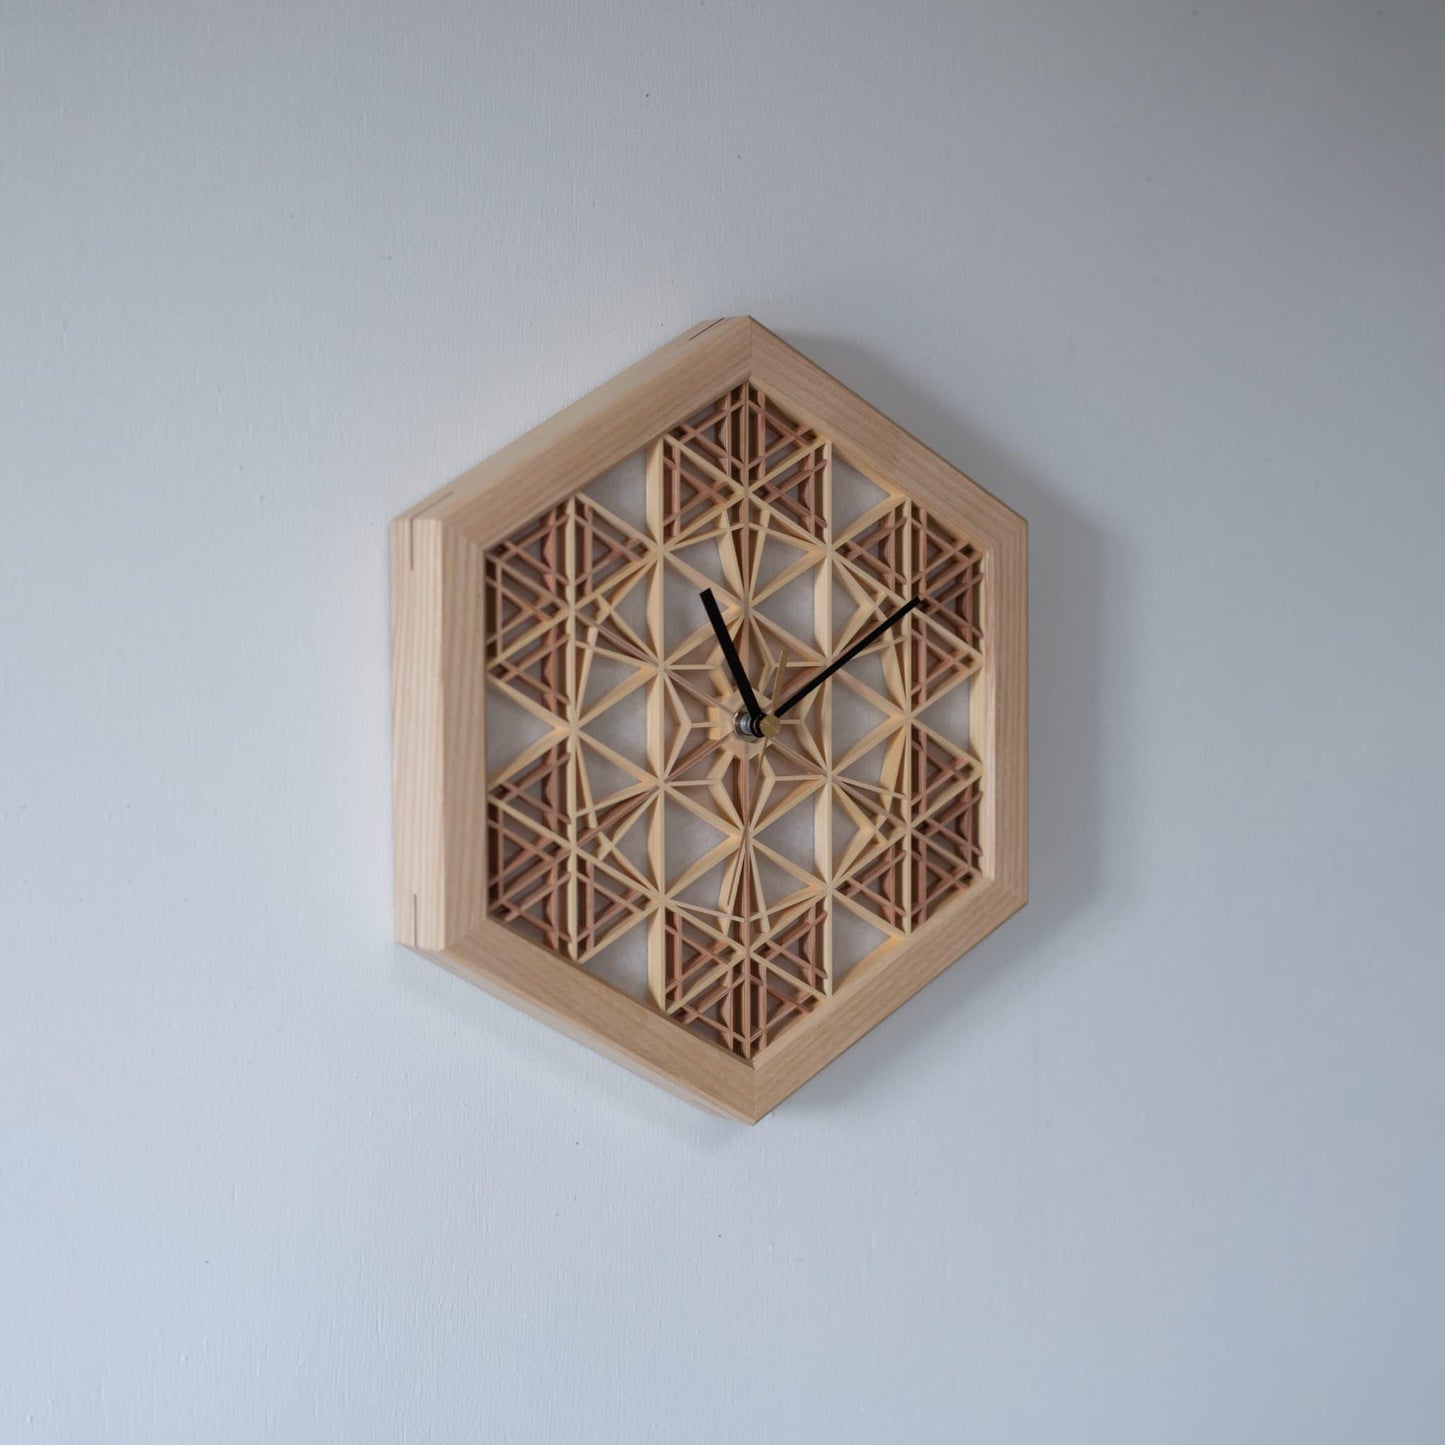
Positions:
(439, 679)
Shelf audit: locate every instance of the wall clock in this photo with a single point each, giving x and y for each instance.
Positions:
(710, 718)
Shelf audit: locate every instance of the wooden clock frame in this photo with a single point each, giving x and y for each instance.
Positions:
(438, 560)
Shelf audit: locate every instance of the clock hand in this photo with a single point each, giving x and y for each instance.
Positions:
(730, 656)
(848, 656)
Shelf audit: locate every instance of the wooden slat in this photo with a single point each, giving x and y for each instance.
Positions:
(594, 1013)
(417, 733)
(464, 691)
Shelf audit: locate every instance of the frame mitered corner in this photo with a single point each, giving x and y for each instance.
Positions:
(583, 440)
(592, 1012)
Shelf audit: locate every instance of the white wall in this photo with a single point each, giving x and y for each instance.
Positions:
(1163, 1160)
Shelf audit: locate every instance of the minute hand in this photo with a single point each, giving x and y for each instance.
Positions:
(861, 645)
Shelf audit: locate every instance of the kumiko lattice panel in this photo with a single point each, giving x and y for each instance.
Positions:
(738, 498)
(718, 677)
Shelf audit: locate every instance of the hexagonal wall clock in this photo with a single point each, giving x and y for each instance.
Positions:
(710, 718)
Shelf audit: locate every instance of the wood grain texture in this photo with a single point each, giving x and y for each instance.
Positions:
(513, 579)
(418, 794)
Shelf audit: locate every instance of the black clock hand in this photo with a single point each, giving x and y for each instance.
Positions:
(730, 656)
(848, 656)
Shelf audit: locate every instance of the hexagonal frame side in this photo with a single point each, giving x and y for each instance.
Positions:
(439, 701)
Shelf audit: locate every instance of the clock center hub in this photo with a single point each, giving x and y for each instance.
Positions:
(747, 726)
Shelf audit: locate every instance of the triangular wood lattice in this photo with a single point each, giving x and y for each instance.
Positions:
(638, 807)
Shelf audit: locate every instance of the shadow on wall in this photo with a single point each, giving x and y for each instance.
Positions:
(1079, 584)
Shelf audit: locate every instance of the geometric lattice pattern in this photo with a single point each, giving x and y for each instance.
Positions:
(634, 806)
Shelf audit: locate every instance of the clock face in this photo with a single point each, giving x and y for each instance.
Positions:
(734, 882)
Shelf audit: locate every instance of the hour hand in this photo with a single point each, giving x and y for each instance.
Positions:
(730, 656)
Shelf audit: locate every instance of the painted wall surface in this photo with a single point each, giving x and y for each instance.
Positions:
(1163, 1160)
